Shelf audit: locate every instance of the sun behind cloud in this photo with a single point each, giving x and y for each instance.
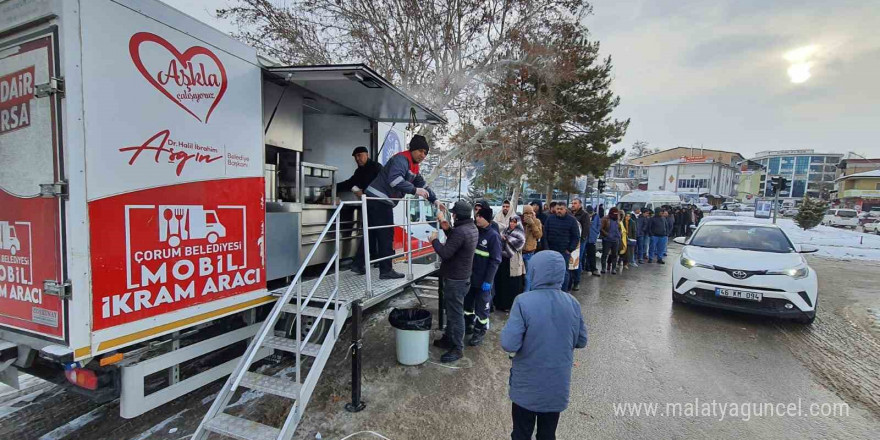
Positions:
(800, 62)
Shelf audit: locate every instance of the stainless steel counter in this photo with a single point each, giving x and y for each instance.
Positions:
(292, 229)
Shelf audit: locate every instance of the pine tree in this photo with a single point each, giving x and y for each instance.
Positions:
(810, 213)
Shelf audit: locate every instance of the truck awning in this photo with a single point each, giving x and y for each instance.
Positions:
(360, 89)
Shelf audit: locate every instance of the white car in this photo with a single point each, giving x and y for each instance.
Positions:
(872, 227)
(841, 217)
(746, 267)
(718, 215)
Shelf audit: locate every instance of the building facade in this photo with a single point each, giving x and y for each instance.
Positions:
(626, 171)
(860, 191)
(749, 185)
(726, 157)
(715, 180)
(808, 173)
(852, 165)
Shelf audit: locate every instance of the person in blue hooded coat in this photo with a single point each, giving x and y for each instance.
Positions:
(544, 328)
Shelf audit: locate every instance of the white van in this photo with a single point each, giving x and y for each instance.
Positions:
(648, 199)
(841, 217)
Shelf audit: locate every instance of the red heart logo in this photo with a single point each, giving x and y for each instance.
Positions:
(185, 75)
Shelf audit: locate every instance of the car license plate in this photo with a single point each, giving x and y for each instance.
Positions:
(739, 294)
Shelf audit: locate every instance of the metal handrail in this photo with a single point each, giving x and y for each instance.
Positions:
(321, 277)
(408, 251)
(251, 353)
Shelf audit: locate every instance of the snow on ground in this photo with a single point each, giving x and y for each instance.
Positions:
(75, 424)
(835, 243)
(160, 426)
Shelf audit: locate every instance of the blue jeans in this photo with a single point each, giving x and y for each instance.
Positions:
(526, 258)
(576, 273)
(658, 246)
(643, 247)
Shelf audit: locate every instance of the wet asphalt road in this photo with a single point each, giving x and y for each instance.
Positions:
(644, 349)
(641, 349)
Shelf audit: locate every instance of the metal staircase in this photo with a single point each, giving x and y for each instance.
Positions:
(299, 391)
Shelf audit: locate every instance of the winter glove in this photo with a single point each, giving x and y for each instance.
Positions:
(487, 287)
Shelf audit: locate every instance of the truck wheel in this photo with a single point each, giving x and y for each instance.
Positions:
(212, 237)
(13, 251)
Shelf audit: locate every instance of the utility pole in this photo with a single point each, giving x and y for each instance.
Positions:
(775, 198)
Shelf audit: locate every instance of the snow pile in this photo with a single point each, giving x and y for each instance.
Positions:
(834, 243)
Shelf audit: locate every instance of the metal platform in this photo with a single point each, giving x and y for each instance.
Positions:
(353, 286)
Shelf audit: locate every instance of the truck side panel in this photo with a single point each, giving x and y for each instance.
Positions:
(174, 171)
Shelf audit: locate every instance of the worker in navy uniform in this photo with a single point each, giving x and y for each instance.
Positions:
(399, 177)
(487, 258)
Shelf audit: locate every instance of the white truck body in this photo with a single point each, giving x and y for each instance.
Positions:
(133, 144)
(841, 217)
(157, 110)
(110, 111)
(648, 199)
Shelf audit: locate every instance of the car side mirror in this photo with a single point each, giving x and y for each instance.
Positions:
(808, 249)
(682, 240)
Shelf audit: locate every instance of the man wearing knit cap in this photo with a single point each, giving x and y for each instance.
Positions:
(399, 177)
(487, 258)
(458, 259)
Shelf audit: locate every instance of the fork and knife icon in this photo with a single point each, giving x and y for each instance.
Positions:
(177, 220)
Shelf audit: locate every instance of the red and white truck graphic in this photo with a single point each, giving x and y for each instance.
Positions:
(178, 223)
(8, 239)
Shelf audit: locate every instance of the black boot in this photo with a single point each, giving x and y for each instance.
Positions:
(469, 329)
(452, 355)
(358, 270)
(443, 343)
(391, 275)
(477, 338)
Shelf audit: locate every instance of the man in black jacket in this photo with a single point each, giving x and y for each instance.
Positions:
(561, 234)
(658, 229)
(458, 259)
(583, 218)
(367, 170)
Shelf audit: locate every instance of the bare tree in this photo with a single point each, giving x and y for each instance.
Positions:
(437, 50)
(640, 148)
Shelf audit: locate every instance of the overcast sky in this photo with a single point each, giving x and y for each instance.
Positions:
(715, 72)
(739, 75)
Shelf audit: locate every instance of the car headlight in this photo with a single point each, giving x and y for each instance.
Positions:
(795, 272)
(690, 263)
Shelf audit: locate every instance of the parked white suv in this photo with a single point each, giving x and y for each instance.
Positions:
(751, 268)
(841, 217)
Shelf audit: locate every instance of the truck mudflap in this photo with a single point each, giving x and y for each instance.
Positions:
(31, 186)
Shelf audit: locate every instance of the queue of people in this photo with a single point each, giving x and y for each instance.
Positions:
(486, 259)
(524, 264)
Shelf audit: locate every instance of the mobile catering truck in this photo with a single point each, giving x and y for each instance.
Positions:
(157, 178)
